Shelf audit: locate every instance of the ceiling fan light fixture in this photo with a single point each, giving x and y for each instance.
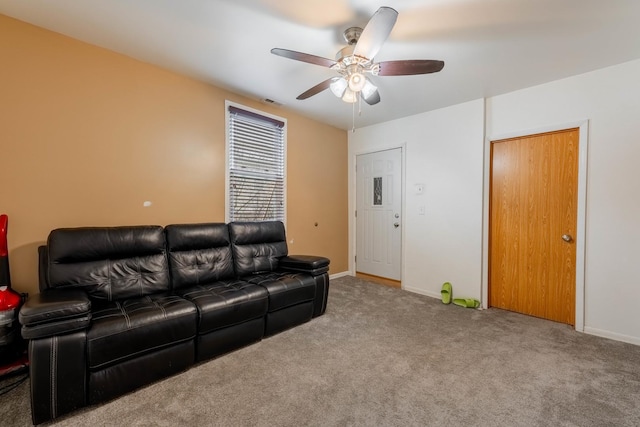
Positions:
(368, 89)
(338, 86)
(350, 96)
(357, 81)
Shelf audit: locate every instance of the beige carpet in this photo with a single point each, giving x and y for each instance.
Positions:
(386, 357)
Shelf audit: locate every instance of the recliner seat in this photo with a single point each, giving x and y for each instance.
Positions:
(231, 312)
(257, 250)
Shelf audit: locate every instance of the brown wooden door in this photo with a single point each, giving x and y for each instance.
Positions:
(533, 208)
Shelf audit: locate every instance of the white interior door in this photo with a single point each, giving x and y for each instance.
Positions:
(378, 213)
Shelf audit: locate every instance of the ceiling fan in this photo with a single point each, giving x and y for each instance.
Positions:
(356, 60)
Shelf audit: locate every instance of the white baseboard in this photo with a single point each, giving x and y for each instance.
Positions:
(422, 292)
(338, 275)
(612, 335)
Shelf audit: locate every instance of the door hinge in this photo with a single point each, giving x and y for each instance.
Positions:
(356, 214)
(355, 258)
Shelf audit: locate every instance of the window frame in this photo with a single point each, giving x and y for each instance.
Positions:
(227, 188)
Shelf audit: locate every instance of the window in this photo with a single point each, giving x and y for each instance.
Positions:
(255, 165)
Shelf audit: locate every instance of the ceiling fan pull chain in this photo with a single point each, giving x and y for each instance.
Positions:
(353, 116)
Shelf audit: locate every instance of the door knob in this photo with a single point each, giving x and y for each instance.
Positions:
(396, 225)
(567, 237)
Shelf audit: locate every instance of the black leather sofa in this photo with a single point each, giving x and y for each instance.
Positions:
(121, 307)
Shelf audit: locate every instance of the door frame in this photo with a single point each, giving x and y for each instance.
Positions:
(353, 171)
(583, 145)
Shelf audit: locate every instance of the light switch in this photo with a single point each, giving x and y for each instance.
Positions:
(421, 210)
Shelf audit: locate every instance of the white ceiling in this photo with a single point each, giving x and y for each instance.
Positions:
(489, 46)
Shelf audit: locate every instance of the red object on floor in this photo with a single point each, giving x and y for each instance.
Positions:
(13, 357)
(4, 248)
(9, 299)
(5, 277)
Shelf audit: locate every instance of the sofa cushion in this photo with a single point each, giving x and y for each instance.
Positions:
(257, 246)
(226, 303)
(122, 330)
(109, 263)
(285, 289)
(199, 254)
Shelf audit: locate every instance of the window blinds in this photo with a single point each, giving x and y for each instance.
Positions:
(256, 167)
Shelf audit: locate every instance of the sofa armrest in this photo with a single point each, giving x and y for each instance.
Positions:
(55, 312)
(314, 265)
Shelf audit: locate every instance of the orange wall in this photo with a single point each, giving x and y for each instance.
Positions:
(87, 135)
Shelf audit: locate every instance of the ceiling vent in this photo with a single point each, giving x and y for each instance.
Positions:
(271, 102)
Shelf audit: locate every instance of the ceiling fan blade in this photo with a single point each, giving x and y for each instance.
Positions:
(409, 67)
(372, 99)
(376, 32)
(316, 89)
(304, 57)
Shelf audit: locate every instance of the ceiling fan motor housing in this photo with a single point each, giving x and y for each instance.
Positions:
(346, 61)
(345, 52)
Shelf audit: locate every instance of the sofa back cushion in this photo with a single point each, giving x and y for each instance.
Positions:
(257, 246)
(109, 263)
(199, 253)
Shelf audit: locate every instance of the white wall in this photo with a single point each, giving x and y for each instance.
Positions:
(444, 151)
(610, 100)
